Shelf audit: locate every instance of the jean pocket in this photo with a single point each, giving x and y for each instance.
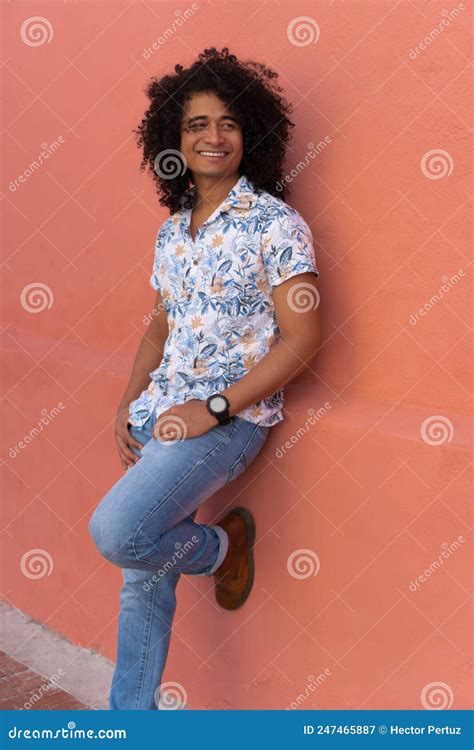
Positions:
(249, 453)
(141, 433)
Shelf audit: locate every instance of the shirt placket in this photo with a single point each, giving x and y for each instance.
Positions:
(196, 250)
(191, 279)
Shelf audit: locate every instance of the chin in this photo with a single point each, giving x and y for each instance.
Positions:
(215, 170)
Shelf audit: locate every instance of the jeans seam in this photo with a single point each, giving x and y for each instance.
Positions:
(236, 462)
(176, 486)
(146, 650)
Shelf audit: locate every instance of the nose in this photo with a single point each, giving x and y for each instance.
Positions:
(214, 135)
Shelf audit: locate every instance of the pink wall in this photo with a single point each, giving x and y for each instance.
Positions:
(372, 488)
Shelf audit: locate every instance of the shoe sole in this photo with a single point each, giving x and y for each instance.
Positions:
(251, 533)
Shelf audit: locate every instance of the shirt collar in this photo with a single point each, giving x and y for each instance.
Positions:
(242, 195)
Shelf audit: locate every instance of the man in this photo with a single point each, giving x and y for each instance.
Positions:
(228, 331)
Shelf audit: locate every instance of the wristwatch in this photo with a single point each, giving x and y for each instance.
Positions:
(218, 405)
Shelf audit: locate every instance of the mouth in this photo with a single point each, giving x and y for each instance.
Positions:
(213, 154)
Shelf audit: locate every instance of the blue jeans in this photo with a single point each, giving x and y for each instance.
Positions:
(145, 525)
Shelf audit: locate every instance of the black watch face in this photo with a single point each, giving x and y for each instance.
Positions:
(218, 404)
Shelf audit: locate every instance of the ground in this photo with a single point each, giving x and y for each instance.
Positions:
(19, 685)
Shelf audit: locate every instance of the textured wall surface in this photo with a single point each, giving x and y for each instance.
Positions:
(362, 494)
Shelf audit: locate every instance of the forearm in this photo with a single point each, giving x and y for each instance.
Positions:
(279, 367)
(147, 359)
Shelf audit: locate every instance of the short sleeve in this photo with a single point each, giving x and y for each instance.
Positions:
(287, 249)
(154, 278)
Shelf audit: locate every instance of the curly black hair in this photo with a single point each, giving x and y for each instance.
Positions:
(251, 93)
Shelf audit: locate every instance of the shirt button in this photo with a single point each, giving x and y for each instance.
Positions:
(189, 295)
(165, 391)
(179, 330)
(195, 262)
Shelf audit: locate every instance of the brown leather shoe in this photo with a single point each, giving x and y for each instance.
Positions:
(234, 577)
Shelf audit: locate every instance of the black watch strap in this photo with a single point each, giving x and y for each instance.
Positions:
(222, 416)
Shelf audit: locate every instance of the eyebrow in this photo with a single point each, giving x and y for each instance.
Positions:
(205, 117)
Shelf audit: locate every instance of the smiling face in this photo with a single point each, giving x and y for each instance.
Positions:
(213, 143)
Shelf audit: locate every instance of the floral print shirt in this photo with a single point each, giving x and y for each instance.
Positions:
(217, 295)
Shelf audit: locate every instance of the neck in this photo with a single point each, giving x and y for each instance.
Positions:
(211, 191)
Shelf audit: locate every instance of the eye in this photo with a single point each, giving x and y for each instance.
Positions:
(196, 127)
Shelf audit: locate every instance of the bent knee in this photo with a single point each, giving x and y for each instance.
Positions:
(96, 529)
(111, 545)
(146, 546)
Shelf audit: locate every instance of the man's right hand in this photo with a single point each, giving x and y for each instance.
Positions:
(124, 439)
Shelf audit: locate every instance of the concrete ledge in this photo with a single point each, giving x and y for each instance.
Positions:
(80, 672)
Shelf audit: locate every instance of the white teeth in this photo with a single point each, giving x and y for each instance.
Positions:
(212, 153)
